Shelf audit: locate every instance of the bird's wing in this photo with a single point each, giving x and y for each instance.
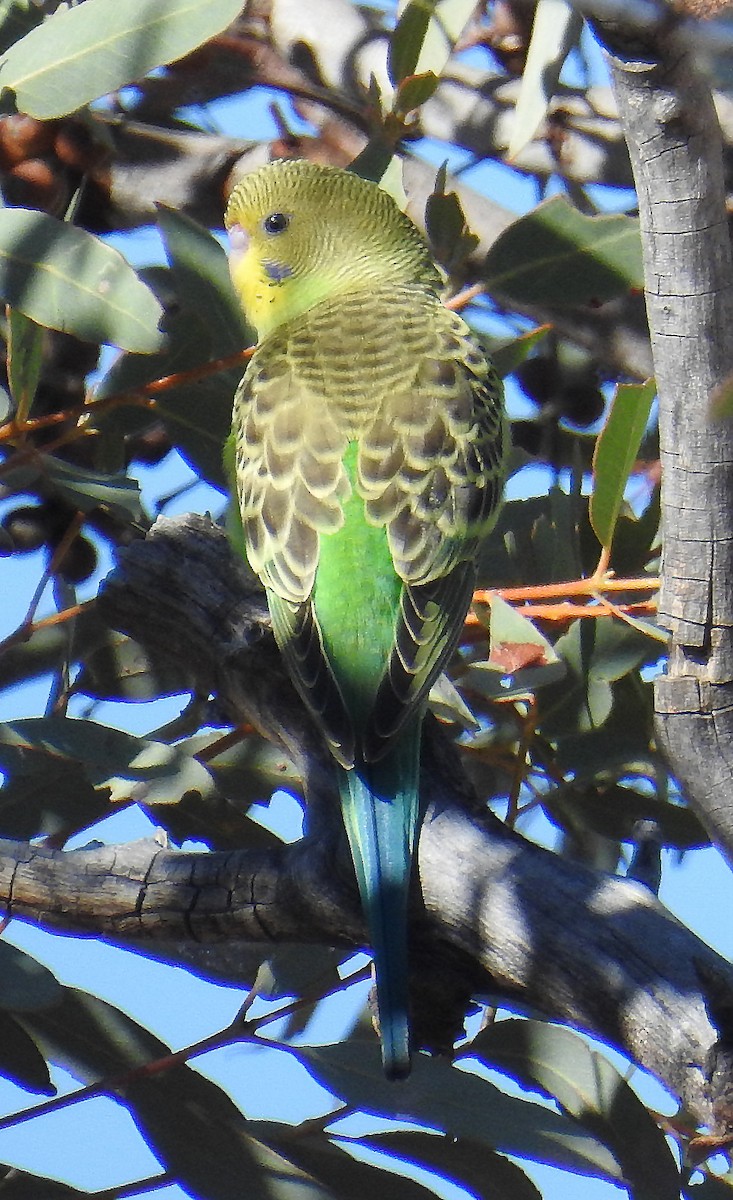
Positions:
(431, 468)
(292, 484)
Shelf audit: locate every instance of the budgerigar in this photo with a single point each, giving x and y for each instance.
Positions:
(369, 456)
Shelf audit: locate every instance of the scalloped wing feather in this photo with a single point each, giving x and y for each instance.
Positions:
(403, 377)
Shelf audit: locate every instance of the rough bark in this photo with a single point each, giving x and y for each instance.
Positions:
(676, 153)
(495, 913)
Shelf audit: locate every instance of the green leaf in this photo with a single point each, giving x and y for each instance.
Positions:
(329, 1162)
(105, 766)
(407, 40)
(188, 1122)
(487, 1175)
(210, 325)
(47, 648)
(413, 91)
(64, 278)
(87, 490)
(292, 970)
(21, 1060)
(24, 983)
(280, 1179)
(84, 52)
(24, 357)
(121, 669)
(597, 654)
(90, 1038)
(201, 276)
(555, 31)
(252, 770)
(157, 774)
(606, 649)
(613, 811)
(459, 1104)
(197, 1133)
(17, 18)
(509, 355)
(21, 1185)
(581, 702)
(448, 705)
(562, 1065)
(205, 324)
(45, 795)
(535, 540)
(245, 774)
(558, 255)
(521, 659)
(616, 450)
(425, 35)
(450, 238)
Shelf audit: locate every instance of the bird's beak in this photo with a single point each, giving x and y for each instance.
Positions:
(238, 243)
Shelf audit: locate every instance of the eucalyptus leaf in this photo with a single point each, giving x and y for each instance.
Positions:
(293, 969)
(43, 795)
(488, 1176)
(558, 255)
(64, 278)
(22, 1061)
(613, 811)
(91, 1038)
(17, 18)
(197, 1133)
(425, 35)
(22, 1185)
(116, 765)
(119, 668)
(25, 983)
(86, 489)
(203, 324)
(509, 355)
(47, 648)
(521, 659)
(24, 356)
(328, 1161)
(459, 1104)
(450, 238)
(201, 276)
(414, 90)
(616, 450)
(590, 1088)
(555, 30)
(84, 52)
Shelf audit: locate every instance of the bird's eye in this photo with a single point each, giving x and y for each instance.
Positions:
(275, 223)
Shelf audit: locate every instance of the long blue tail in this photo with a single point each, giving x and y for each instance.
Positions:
(380, 803)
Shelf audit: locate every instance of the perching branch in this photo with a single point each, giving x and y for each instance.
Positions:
(495, 911)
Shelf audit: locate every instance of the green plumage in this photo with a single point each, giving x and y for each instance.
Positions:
(370, 448)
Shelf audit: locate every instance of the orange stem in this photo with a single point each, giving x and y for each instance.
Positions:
(461, 299)
(565, 611)
(573, 587)
(139, 396)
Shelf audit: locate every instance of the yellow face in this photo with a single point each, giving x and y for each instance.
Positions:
(260, 256)
(301, 233)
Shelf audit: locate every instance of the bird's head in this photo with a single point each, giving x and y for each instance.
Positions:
(301, 233)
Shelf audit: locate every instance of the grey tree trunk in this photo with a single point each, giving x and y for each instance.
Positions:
(676, 153)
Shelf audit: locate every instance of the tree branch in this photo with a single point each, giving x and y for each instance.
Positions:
(493, 913)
